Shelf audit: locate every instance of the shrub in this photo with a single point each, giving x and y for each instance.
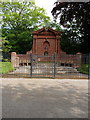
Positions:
(84, 69)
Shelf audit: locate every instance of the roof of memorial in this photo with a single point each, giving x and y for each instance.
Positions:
(46, 30)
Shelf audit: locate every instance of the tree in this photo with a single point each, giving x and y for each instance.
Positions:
(71, 39)
(53, 25)
(69, 42)
(19, 19)
(79, 13)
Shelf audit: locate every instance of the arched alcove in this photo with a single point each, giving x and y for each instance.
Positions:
(46, 45)
(46, 53)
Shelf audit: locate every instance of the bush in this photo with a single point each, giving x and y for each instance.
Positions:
(6, 60)
(84, 69)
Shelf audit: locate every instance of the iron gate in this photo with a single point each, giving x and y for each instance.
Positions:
(42, 66)
(66, 66)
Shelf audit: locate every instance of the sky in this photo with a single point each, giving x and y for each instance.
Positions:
(47, 5)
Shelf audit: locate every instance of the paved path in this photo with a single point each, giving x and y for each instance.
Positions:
(44, 98)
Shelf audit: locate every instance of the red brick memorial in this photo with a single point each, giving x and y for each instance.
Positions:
(46, 42)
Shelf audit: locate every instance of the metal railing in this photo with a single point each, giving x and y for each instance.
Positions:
(51, 67)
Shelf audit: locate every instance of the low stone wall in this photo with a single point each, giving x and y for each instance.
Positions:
(73, 60)
(64, 59)
(20, 59)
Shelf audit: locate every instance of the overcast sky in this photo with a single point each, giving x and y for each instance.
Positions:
(46, 4)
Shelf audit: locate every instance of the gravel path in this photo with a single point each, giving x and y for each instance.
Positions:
(44, 98)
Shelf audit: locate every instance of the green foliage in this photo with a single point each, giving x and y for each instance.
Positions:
(5, 67)
(84, 69)
(78, 12)
(19, 20)
(53, 25)
(5, 45)
(71, 40)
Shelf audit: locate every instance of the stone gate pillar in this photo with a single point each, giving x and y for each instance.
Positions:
(14, 60)
(79, 59)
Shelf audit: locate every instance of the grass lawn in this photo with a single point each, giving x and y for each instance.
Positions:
(5, 67)
(84, 69)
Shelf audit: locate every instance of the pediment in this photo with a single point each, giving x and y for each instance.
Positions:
(46, 31)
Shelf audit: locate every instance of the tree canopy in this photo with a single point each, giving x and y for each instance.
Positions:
(74, 15)
(19, 19)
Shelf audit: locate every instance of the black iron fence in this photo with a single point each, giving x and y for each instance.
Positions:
(65, 66)
(42, 66)
(54, 66)
(86, 62)
(85, 58)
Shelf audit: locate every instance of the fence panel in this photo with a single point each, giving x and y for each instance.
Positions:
(61, 67)
(71, 67)
(42, 66)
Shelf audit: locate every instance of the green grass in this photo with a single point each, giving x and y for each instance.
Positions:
(84, 69)
(5, 67)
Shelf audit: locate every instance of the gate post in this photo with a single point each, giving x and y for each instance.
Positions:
(54, 61)
(31, 65)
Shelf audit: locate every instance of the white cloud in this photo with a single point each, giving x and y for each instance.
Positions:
(47, 5)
